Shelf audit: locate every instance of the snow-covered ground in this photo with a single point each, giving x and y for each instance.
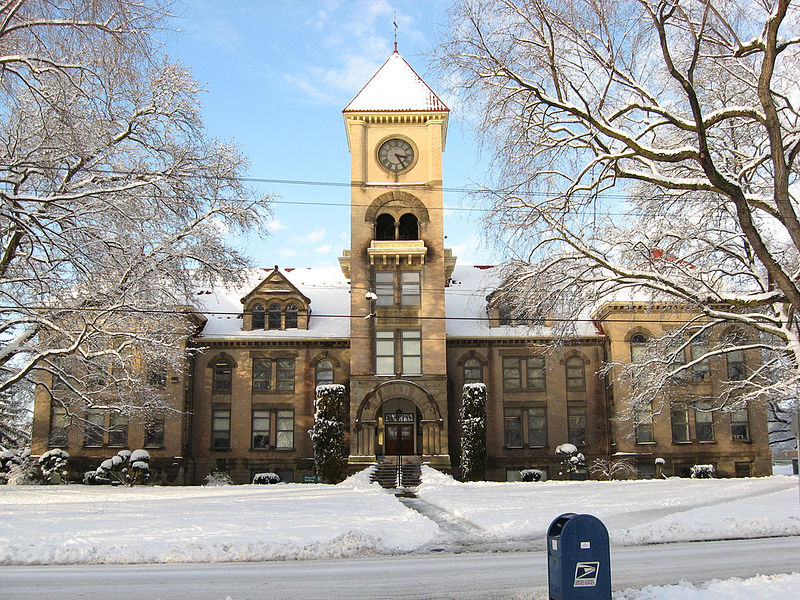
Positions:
(764, 587)
(92, 524)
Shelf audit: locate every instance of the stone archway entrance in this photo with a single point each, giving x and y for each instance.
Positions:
(398, 418)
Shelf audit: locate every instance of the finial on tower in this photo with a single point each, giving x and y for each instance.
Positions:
(394, 22)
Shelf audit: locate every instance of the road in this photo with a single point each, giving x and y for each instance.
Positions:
(496, 576)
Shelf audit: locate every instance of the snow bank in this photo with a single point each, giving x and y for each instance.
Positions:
(94, 525)
(763, 587)
(635, 512)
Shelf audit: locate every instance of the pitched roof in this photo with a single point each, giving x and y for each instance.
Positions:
(396, 88)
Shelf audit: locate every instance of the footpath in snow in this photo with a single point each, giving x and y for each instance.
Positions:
(78, 524)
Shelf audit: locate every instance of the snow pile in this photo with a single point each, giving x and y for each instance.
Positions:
(79, 524)
(635, 512)
(763, 587)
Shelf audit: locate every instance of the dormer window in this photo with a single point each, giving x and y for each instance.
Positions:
(291, 316)
(259, 316)
(274, 316)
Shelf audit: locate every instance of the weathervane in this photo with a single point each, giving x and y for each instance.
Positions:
(394, 22)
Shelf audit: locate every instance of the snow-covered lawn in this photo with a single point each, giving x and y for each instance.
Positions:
(96, 524)
(635, 512)
(763, 587)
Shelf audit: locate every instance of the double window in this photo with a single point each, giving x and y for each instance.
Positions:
(263, 419)
(398, 351)
(514, 419)
(407, 282)
(521, 374)
(263, 369)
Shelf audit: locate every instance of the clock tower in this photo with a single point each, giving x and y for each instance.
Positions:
(397, 265)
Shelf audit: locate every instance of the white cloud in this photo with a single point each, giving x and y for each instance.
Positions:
(312, 237)
(276, 225)
(288, 252)
(324, 249)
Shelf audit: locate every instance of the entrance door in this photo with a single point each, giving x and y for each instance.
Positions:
(399, 439)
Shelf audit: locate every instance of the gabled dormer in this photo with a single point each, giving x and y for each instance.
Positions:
(275, 304)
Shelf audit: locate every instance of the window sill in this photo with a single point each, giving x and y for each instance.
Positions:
(687, 442)
(154, 447)
(513, 448)
(285, 449)
(645, 443)
(706, 441)
(220, 449)
(735, 441)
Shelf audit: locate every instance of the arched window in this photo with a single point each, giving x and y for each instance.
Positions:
(324, 374)
(384, 227)
(409, 227)
(638, 347)
(274, 316)
(223, 377)
(291, 316)
(259, 316)
(576, 374)
(473, 371)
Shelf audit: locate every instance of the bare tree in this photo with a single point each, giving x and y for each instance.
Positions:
(646, 149)
(115, 205)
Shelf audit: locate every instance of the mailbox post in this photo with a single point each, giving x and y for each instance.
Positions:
(578, 558)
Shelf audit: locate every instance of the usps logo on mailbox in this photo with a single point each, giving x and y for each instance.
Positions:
(586, 574)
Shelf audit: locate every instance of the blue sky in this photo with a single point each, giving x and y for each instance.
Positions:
(278, 74)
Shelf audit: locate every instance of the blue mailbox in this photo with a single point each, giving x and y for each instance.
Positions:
(578, 558)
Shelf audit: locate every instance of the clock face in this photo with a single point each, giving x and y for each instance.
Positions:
(396, 155)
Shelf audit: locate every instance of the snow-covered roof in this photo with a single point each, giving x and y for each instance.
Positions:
(329, 292)
(396, 87)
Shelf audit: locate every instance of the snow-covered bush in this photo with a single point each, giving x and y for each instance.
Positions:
(571, 459)
(531, 475)
(619, 468)
(660, 463)
(472, 419)
(327, 433)
(703, 472)
(54, 462)
(266, 478)
(19, 468)
(217, 478)
(126, 467)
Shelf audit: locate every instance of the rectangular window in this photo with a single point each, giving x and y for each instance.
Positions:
(698, 349)
(412, 352)
(535, 373)
(384, 288)
(157, 376)
(117, 430)
(154, 432)
(736, 366)
(384, 353)
(260, 428)
(285, 375)
(704, 422)
(680, 423)
(59, 426)
(643, 423)
(285, 429)
(512, 373)
(576, 374)
(537, 427)
(221, 428)
(262, 374)
(513, 427)
(740, 425)
(576, 424)
(93, 433)
(409, 288)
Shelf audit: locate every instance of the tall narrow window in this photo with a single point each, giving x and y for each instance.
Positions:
(698, 349)
(409, 287)
(221, 428)
(680, 423)
(512, 420)
(473, 371)
(117, 430)
(93, 432)
(285, 429)
(643, 423)
(504, 315)
(259, 316)
(704, 422)
(223, 377)
(576, 374)
(384, 227)
(324, 372)
(274, 317)
(157, 376)
(59, 425)
(638, 347)
(409, 227)
(291, 316)
(384, 288)
(412, 352)
(740, 425)
(576, 425)
(154, 431)
(285, 375)
(512, 373)
(535, 373)
(537, 427)
(262, 374)
(736, 365)
(260, 428)
(384, 353)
